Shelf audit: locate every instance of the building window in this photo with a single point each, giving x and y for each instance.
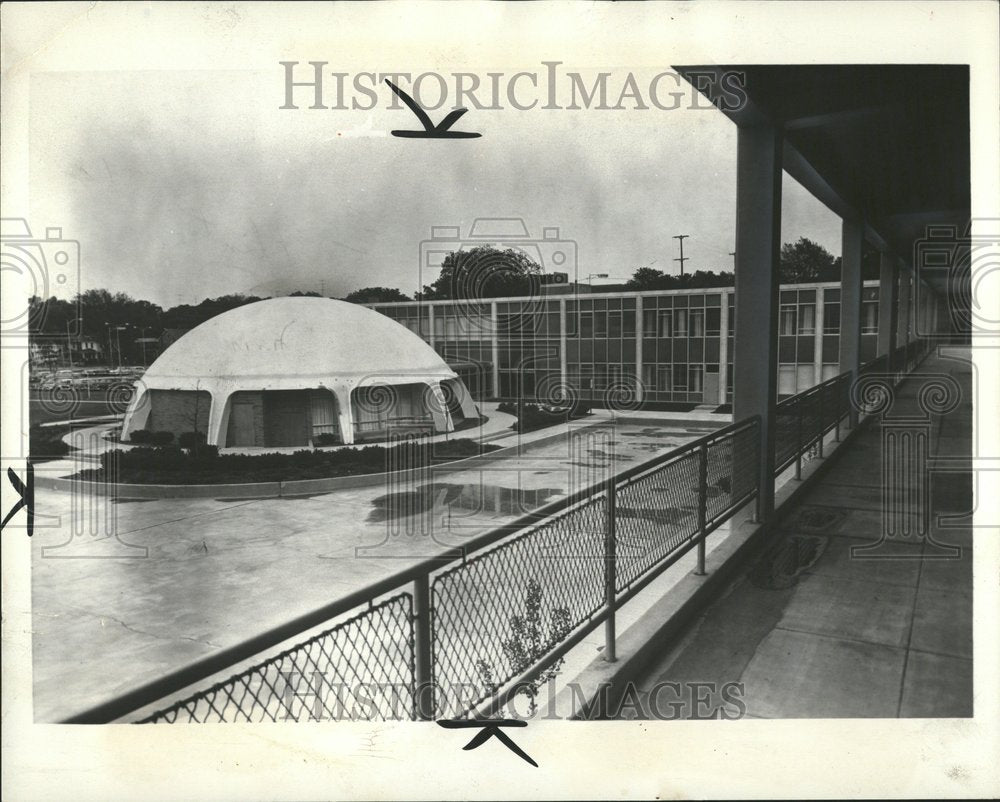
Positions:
(831, 317)
(869, 317)
(680, 323)
(649, 376)
(586, 324)
(600, 324)
(807, 318)
(649, 322)
(694, 378)
(697, 322)
(628, 323)
(713, 319)
(680, 377)
(587, 377)
(664, 380)
(614, 324)
(666, 323)
(787, 320)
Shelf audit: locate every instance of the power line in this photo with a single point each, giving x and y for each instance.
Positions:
(680, 238)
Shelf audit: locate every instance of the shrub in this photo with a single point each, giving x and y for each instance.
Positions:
(47, 443)
(141, 436)
(191, 440)
(327, 439)
(161, 438)
(171, 465)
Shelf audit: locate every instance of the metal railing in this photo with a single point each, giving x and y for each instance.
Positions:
(803, 421)
(489, 619)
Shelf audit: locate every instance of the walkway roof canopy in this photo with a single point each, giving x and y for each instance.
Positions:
(888, 144)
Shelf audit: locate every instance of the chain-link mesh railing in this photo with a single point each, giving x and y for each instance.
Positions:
(657, 513)
(361, 669)
(731, 475)
(501, 613)
(802, 421)
(495, 613)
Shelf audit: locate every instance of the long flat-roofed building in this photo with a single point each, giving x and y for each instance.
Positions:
(650, 347)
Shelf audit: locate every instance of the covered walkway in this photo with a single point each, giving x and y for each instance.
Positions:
(854, 608)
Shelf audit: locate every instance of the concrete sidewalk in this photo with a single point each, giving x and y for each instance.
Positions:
(831, 621)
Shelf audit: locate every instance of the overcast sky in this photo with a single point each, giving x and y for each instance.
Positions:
(182, 185)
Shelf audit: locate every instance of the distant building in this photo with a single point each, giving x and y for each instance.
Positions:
(298, 372)
(649, 347)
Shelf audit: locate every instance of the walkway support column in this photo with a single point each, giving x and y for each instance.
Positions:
(886, 304)
(853, 236)
(723, 347)
(758, 247)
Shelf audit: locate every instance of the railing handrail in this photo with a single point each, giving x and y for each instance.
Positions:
(173, 682)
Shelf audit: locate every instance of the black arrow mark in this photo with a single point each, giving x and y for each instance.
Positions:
(431, 131)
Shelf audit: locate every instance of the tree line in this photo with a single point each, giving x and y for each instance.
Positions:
(482, 272)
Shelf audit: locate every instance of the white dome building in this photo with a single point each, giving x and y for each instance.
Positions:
(285, 371)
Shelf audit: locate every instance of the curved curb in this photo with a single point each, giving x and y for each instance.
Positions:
(290, 489)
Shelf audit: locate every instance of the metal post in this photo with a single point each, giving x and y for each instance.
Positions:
(610, 577)
(822, 420)
(702, 503)
(798, 438)
(422, 650)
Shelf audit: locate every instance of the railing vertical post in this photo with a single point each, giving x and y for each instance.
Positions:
(838, 411)
(422, 650)
(702, 504)
(799, 405)
(821, 419)
(610, 575)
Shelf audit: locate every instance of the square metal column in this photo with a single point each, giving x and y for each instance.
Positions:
(758, 248)
(886, 304)
(850, 301)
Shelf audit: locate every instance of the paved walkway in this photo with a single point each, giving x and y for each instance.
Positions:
(824, 624)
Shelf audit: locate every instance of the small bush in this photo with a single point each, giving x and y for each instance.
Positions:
(47, 443)
(161, 438)
(191, 440)
(327, 439)
(141, 436)
(173, 465)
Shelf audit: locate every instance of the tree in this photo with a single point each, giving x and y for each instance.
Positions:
(376, 295)
(485, 272)
(806, 260)
(648, 278)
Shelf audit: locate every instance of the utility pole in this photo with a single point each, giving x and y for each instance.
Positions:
(733, 254)
(680, 239)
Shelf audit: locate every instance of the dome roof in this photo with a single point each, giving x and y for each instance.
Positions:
(289, 338)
